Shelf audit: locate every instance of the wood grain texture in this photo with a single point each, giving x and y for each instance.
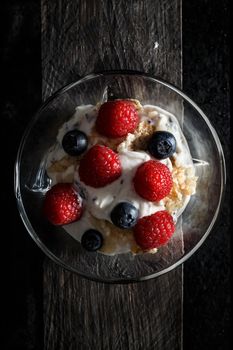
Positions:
(79, 37)
(81, 314)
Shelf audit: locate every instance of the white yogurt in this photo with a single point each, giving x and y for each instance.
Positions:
(83, 119)
(100, 201)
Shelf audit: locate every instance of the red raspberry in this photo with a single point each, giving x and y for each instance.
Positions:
(154, 230)
(117, 118)
(99, 166)
(62, 204)
(153, 181)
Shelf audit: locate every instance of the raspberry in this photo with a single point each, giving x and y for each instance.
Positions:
(62, 204)
(117, 118)
(99, 166)
(153, 181)
(154, 230)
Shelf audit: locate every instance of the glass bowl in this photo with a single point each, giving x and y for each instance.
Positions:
(193, 225)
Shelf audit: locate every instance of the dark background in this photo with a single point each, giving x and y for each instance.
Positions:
(205, 79)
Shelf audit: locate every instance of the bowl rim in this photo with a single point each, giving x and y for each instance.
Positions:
(17, 191)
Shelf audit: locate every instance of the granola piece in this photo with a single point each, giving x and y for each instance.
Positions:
(184, 184)
(139, 139)
(63, 170)
(62, 164)
(112, 236)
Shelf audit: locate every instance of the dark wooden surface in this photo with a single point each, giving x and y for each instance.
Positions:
(79, 37)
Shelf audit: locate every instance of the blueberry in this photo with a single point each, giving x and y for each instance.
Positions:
(74, 142)
(92, 240)
(124, 215)
(162, 144)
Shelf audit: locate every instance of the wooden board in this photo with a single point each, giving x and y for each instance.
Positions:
(79, 37)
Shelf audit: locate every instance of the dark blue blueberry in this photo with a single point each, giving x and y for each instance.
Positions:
(124, 215)
(92, 240)
(75, 142)
(162, 144)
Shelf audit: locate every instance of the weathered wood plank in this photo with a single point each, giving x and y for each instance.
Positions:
(81, 314)
(79, 37)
